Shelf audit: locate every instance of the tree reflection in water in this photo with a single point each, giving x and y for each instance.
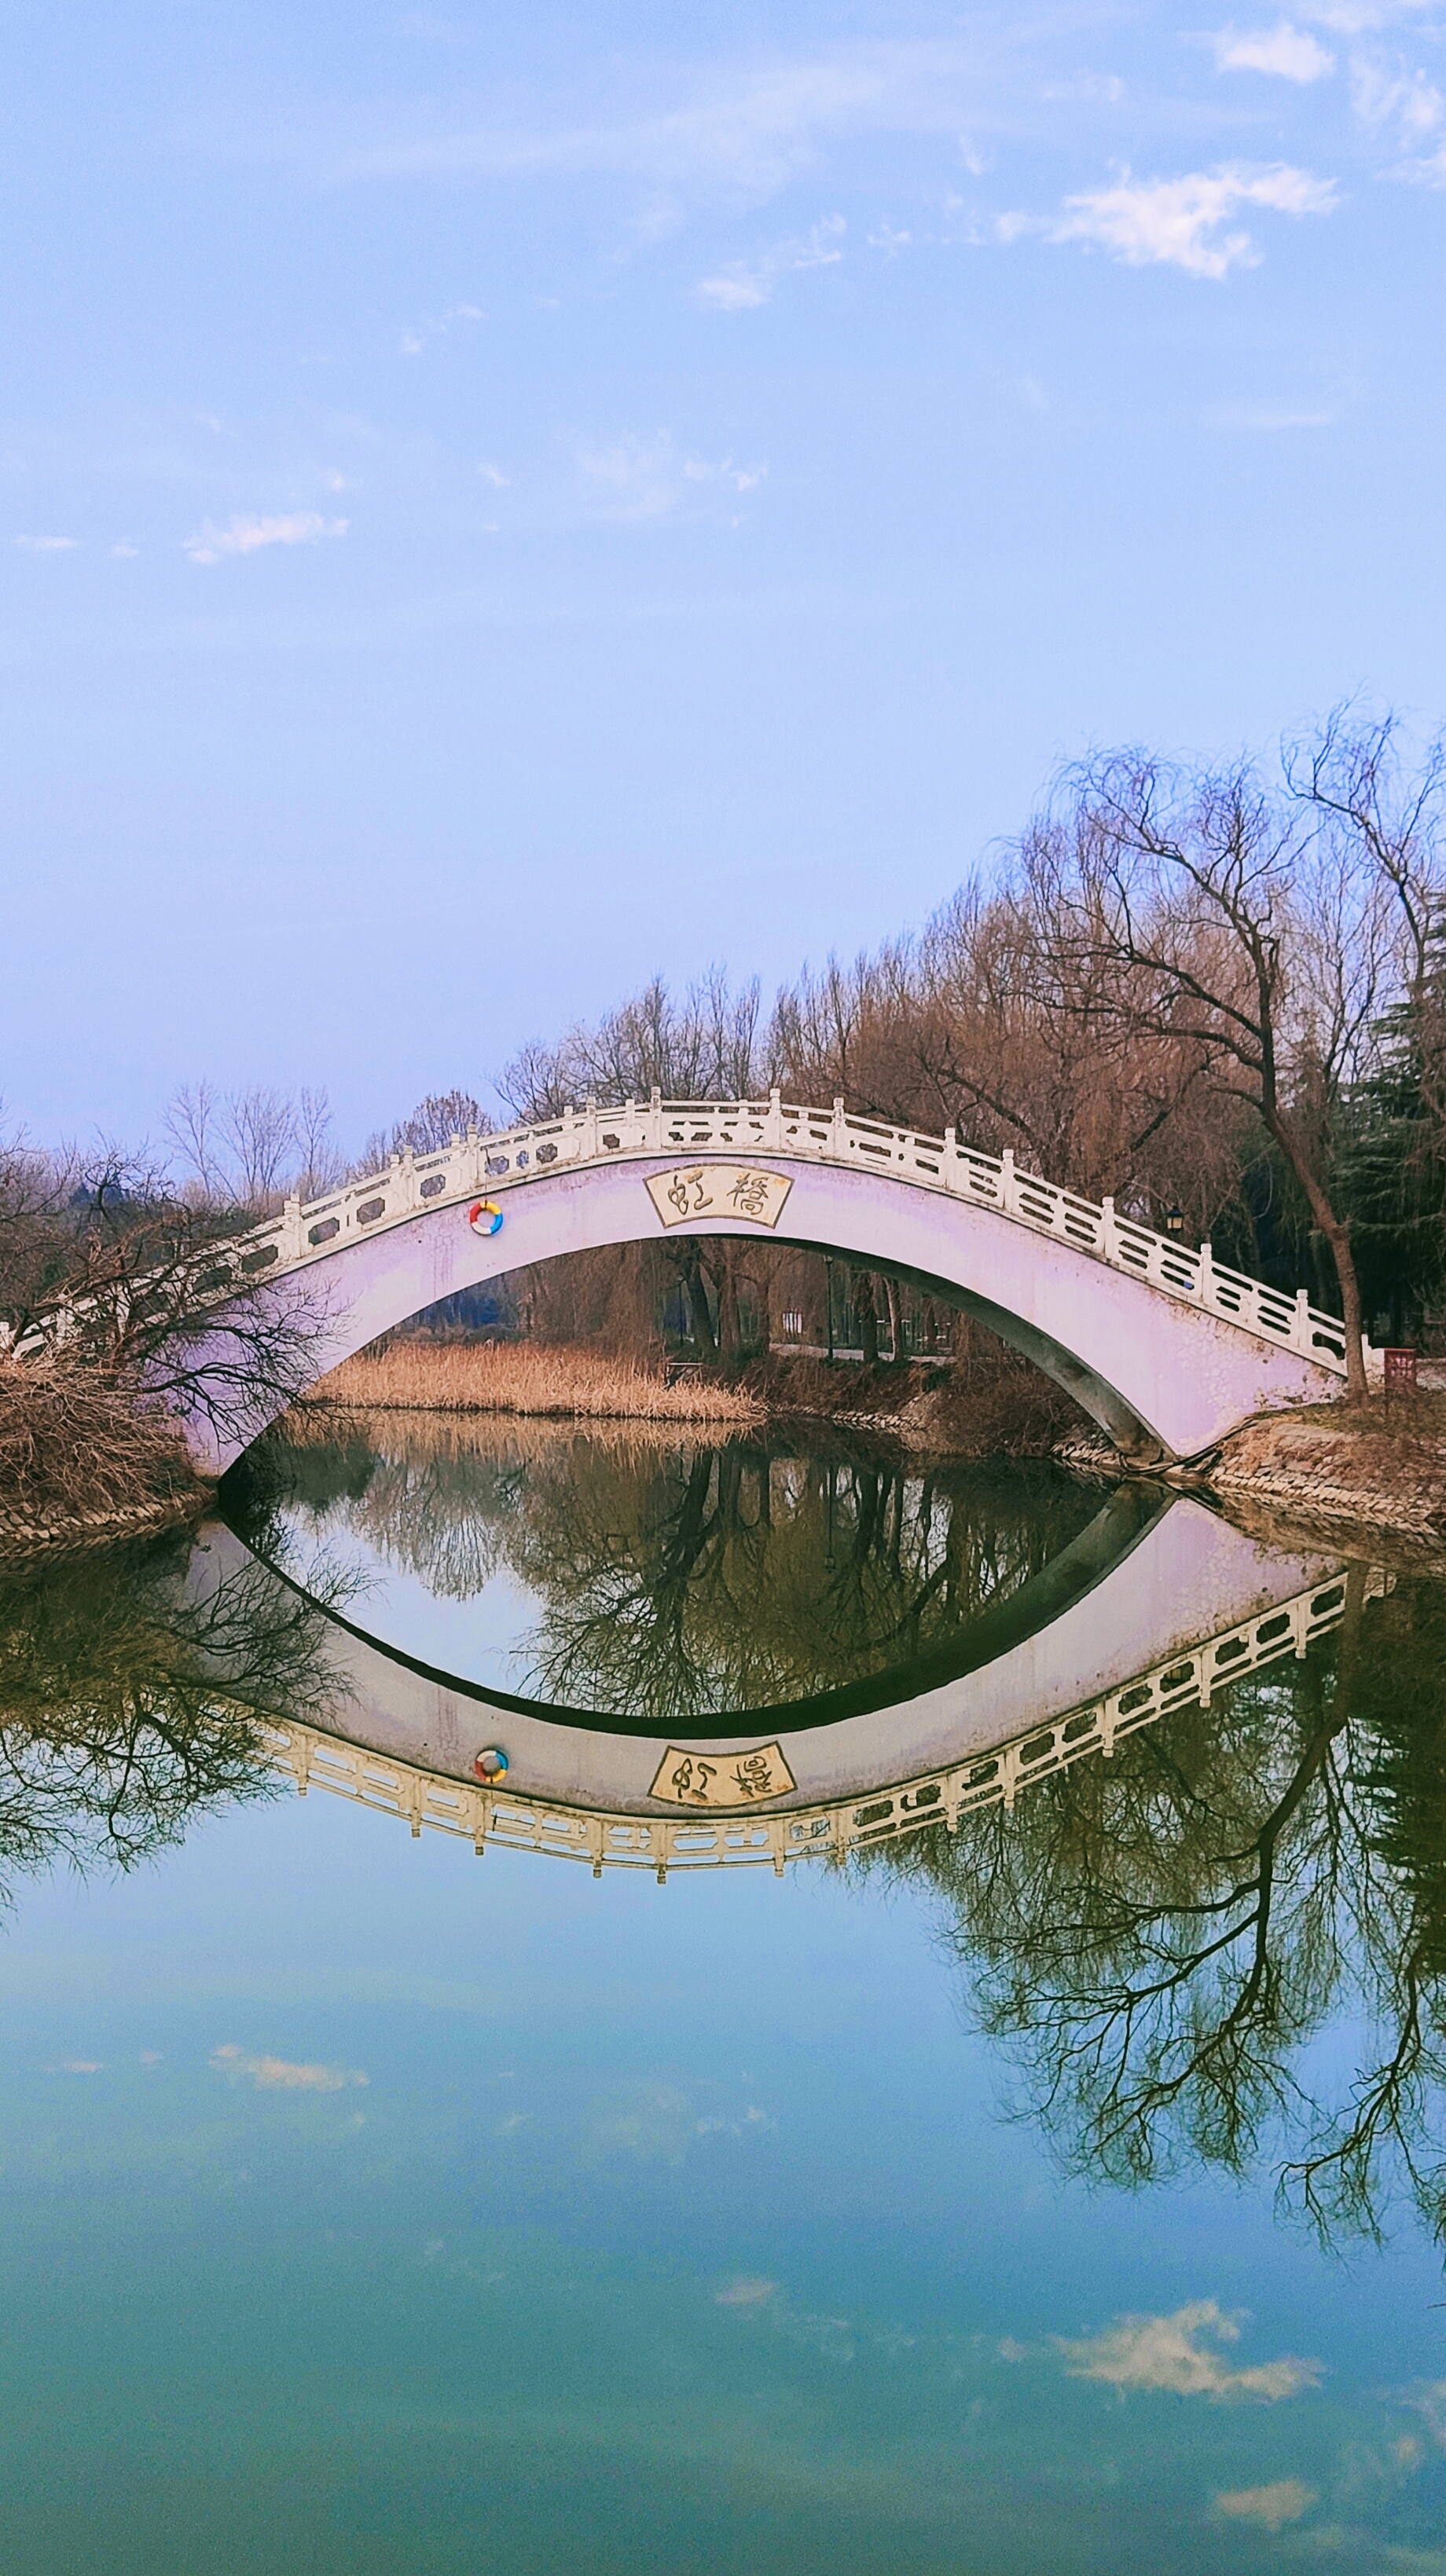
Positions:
(676, 1577)
(1158, 1939)
(132, 1694)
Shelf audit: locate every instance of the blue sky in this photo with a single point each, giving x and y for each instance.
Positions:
(492, 504)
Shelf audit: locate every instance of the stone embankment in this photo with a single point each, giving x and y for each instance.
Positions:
(1379, 1465)
(22, 1537)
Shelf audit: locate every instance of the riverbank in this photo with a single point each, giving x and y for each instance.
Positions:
(989, 1405)
(83, 1464)
(1382, 1463)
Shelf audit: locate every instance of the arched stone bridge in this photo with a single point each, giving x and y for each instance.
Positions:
(1165, 1348)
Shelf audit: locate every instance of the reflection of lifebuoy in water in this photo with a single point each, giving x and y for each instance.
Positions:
(485, 1216)
(491, 1764)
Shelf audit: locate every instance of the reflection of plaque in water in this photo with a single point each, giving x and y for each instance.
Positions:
(719, 1189)
(722, 1779)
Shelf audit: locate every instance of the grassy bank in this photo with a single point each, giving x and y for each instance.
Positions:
(525, 1378)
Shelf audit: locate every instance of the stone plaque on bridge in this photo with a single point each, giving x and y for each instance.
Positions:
(722, 1779)
(719, 1189)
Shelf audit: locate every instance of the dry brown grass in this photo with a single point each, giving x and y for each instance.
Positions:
(74, 1444)
(522, 1377)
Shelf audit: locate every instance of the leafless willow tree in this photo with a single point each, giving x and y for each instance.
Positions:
(1202, 917)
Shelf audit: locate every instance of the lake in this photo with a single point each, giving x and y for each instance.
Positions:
(966, 2159)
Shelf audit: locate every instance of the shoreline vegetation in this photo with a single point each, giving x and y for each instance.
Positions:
(562, 1382)
(82, 1463)
(987, 1405)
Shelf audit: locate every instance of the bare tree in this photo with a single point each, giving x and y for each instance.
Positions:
(260, 1128)
(1194, 912)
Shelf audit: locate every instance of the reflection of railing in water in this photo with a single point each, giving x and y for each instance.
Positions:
(694, 1841)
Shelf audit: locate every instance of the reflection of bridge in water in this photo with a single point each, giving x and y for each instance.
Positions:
(1189, 1607)
(483, 1815)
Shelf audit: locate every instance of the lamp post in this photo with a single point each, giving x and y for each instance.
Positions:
(1175, 1222)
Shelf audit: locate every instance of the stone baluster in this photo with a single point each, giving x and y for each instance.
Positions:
(1300, 1333)
(291, 1230)
(655, 1120)
(838, 1142)
(1205, 1276)
(1007, 1192)
(773, 1124)
(1109, 1232)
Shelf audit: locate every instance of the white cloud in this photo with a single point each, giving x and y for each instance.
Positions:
(48, 545)
(733, 292)
(124, 553)
(638, 478)
(1283, 50)
(1284, 2501)
(1179, 221)
(494, 475)
(1361, 17)
(1387, 96)
(75, 2066)
(747, 2293)
(414, 341)
(1173, 2353)
(886, 239)
(283, 2074)
(1430, 2401)
(745, 283)
(245, 536)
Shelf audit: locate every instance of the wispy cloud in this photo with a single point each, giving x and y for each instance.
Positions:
(75, 2066)
(414, 340)
(1181, 2352)
(1270, 416)
(1180, 222)
(1405, 108)
(247, 536)
(1273, 2506)
(747, 2293)
(638, 478)
(48, 545)
(283, 2074)
(743, 284)
(1284, 50)
(739, 129)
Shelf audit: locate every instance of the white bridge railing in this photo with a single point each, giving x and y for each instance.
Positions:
(411, 1184)
(831, 1832)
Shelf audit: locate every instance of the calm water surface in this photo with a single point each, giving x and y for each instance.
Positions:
(368, 2208)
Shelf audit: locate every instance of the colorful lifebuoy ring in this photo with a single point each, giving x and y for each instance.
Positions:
(485, 1216)
(491, 1763)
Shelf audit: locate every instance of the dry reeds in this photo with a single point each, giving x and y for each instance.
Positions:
(524, 1378)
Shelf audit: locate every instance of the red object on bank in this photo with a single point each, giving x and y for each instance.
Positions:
(1400, 1372)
